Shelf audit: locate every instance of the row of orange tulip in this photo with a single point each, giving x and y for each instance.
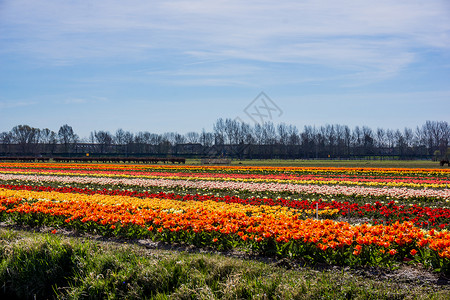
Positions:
(254, 225)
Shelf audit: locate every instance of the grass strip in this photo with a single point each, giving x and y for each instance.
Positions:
(42, 265)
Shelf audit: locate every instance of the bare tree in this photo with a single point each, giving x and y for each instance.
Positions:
(232, 131)
(206, 138)
(269, 133)
(238, 139)
(219, 132)
(128, 139)
(67, 137)
(246, 136)
(390, 138)
(400, 143)
(347, 136)
(283, 134)
(168, 139)
(437, 135)
(6, 140)
(104, 139)
(49, 139)
(282, 140)
(380, 138)
(408, 135)
(181, 139)
(192, 137)
(357, 137)
(319, 144)
(368, 140)
(330, 138)
(308, 141)
(143, 141)
(259, 134)
(119, 137)
(27, 137)
(340, 146)
(444, 138)
(293, 135)
(48, 136)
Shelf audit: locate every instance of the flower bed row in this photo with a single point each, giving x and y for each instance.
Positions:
(341, 179)
(379, 213)
(306, 189)
(266, 210)
(264, 229)
(295, 171)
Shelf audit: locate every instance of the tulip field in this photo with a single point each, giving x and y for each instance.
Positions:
(336, 216)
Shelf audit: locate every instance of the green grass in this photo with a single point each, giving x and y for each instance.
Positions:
(41, 266)
(333, 163)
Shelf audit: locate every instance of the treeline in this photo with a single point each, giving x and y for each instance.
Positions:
(234, 139)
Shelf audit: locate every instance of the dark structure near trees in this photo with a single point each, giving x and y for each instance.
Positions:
(230, 139)
(145, 160)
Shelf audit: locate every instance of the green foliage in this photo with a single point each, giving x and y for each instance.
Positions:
(35, 266)
(48, 266)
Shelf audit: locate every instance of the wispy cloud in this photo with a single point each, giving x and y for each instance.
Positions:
(85, 100)
(15, 104)
(378, 39)
(75, 101)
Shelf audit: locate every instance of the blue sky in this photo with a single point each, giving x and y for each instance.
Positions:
(163, 66)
